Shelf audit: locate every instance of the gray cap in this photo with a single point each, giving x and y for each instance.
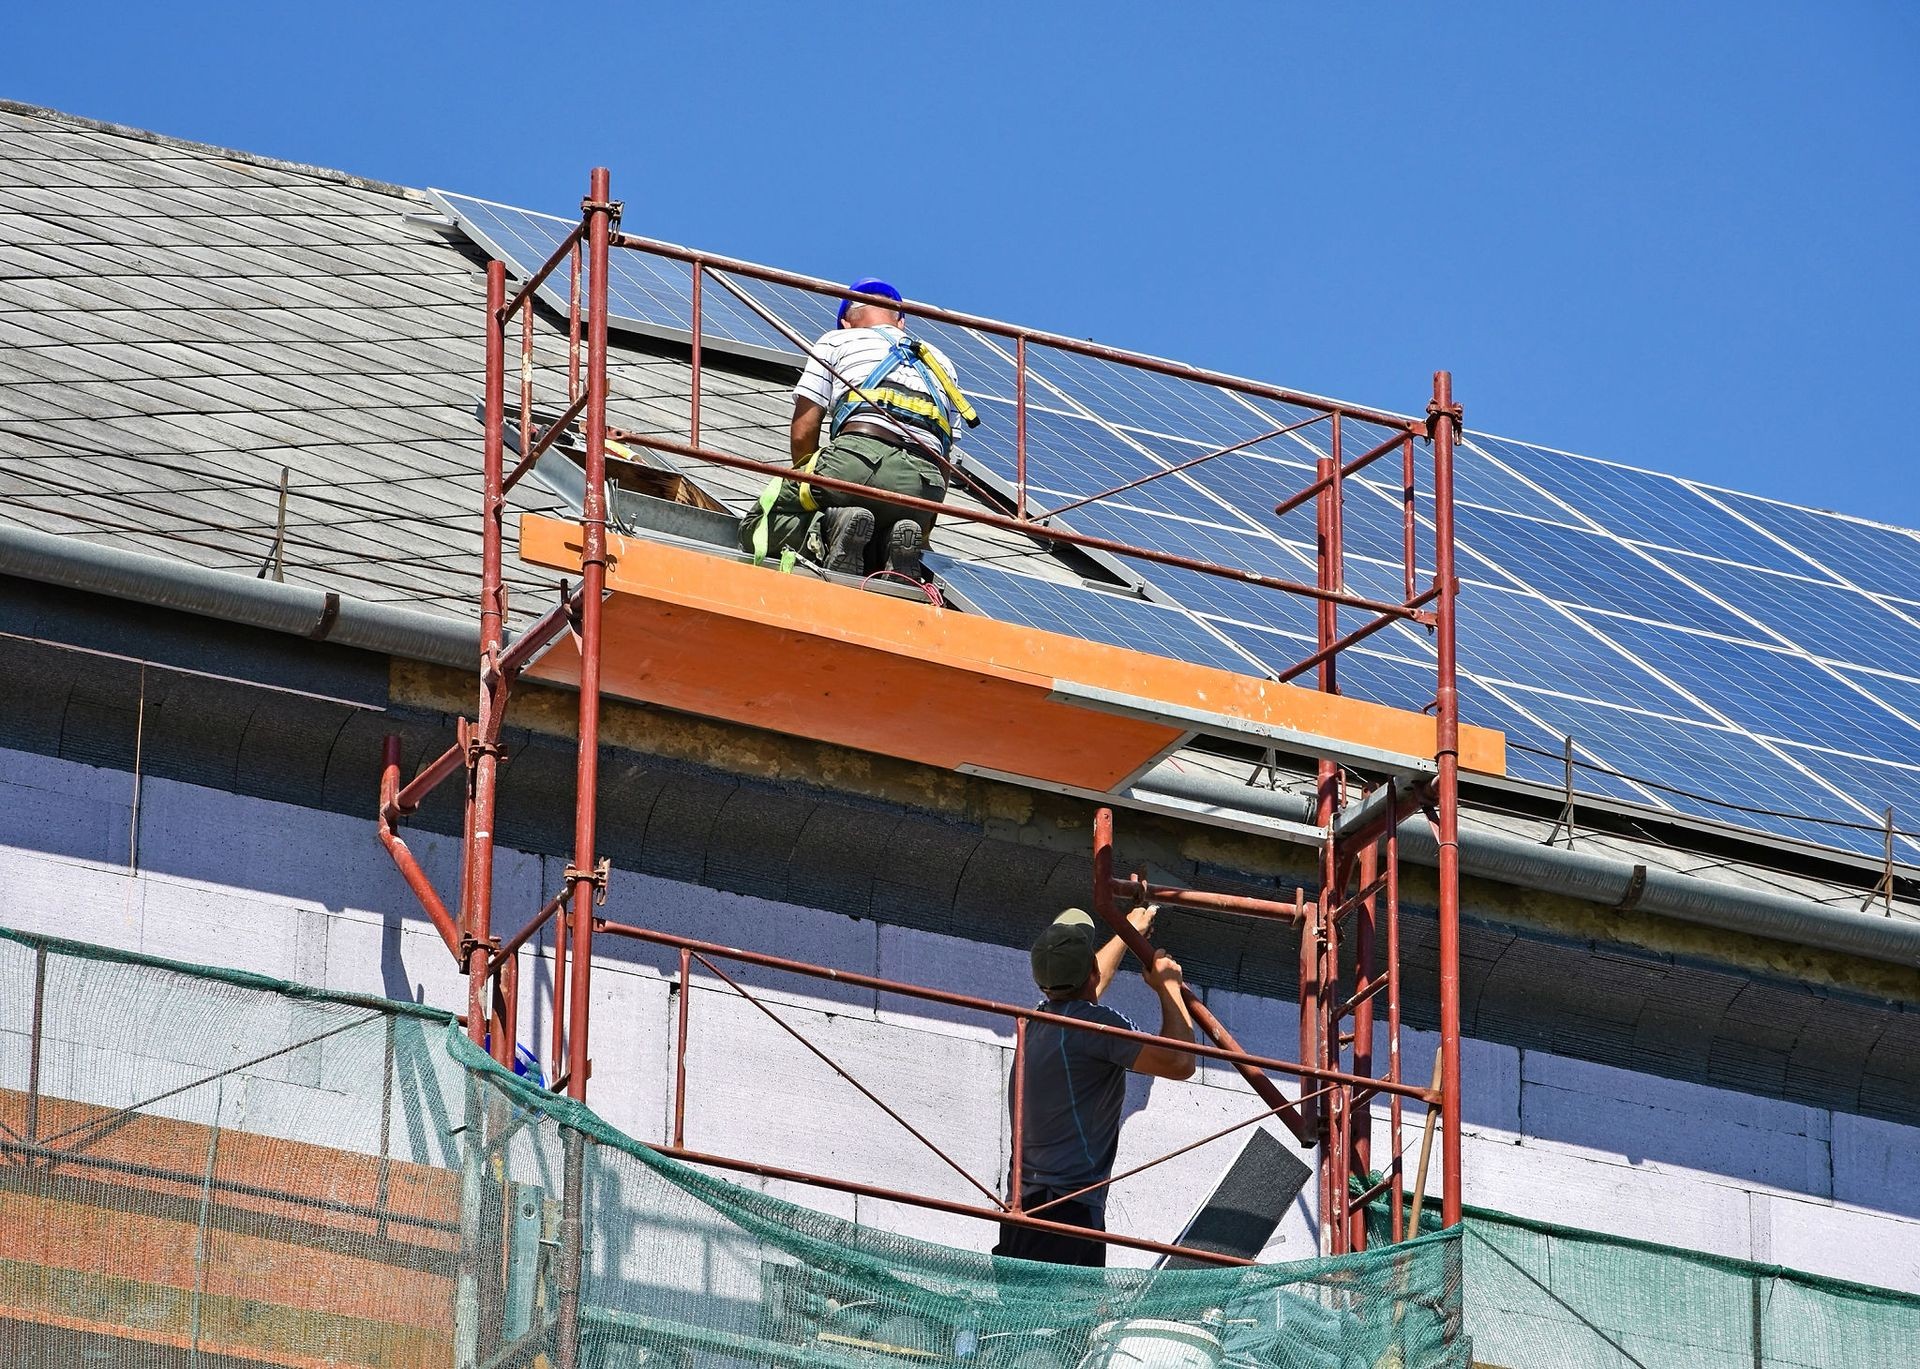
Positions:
(1063, 954)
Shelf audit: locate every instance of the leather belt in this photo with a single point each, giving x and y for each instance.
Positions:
(882, 432)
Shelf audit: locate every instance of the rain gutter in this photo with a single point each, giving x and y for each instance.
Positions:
(1589, 876)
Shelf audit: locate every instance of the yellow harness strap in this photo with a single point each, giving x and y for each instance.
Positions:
(762, 531)
(884, 397)
(954, 397)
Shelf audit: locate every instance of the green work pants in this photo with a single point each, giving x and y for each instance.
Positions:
(878, 465)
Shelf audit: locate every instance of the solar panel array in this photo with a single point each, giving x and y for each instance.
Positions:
(1709, 652)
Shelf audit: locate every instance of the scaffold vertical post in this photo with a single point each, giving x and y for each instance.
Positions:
(1017, 1107)
(1318, 956)
(1444, 421)
(483, 772)
(699, 329)
(1360, 1113)
(593, 582)
(1391, 875)
(571, 1239)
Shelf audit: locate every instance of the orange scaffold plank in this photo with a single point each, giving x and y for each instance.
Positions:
(796, 655)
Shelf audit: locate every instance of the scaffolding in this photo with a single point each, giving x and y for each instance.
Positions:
(1349, 925)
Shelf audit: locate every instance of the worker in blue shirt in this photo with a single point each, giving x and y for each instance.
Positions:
(1074, 1082)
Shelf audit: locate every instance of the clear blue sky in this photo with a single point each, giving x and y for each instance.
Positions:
(1681, 236)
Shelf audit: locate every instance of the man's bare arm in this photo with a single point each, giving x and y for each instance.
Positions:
(804, 434)
(1176, 1023)
(1107, 959)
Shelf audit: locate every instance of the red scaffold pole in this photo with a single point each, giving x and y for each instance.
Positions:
(1443, 417)
(583, 876)
(476, 952)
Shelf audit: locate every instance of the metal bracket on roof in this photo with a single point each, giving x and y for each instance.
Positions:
(431, 227)
(1565, 820)
(1884, 889)
(329, 615)
(277, 554)
(1636, 886)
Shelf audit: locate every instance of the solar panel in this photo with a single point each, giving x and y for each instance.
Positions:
(1693, 641)
(645, 293)
(1875, 785)
(1482, 479)
(1573, 566)
(1677, 761)
(1070, 457)
(1092, 615)
(1879, 559)
(1657, 510)
(1831, 622)
(1771, 693)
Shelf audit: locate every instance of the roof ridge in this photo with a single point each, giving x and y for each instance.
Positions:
(324, 173)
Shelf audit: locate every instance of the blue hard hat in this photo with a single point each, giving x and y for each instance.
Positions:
(870, 286)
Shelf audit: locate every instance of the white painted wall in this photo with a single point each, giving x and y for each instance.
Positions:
(311, 897)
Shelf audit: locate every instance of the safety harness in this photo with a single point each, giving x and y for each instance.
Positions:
(932, 411)
(923, 410)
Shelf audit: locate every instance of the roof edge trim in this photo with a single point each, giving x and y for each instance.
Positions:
(324, 173)
(302, 611)
(1606, 880)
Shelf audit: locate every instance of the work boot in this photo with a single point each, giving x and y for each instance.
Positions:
(845, 533)
(904, 544)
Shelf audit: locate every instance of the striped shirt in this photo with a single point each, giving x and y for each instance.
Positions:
(847, 356)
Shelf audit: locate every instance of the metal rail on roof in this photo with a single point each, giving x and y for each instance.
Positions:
(1360, 799)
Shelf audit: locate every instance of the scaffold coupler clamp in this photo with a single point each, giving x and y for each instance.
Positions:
(612, 208)
(599, 877)
(1436, 411)
(477, 745)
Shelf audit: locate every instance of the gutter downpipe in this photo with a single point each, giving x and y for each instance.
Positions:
(321, 615)
(1605, 880)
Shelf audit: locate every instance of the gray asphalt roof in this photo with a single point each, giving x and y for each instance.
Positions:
(177, 324)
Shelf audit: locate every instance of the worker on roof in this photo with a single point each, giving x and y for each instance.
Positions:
(1074, 1082)
(889, 404)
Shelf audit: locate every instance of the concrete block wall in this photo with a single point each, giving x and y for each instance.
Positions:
(310, 896)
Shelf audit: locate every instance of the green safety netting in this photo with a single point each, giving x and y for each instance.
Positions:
(210, 1167)
(207, 1168)
(1539, 1293)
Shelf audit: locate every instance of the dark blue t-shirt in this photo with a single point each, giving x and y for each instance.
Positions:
(1076, 1083)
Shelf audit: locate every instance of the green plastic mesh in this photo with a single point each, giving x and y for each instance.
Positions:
(1543, 1294)
(204, 1168)
(1538, 1293)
